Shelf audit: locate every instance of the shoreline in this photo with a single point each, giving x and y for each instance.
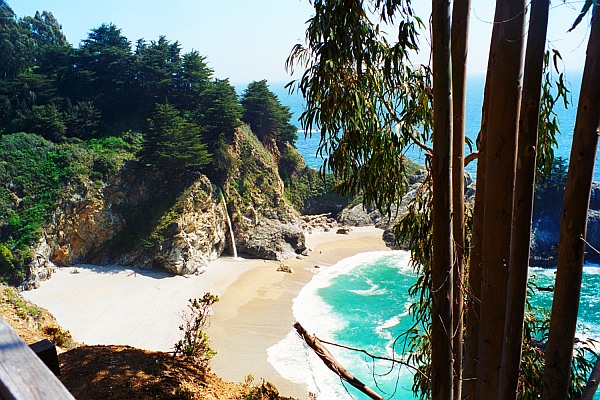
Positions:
(129, 306)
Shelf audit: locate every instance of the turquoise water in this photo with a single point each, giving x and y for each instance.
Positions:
(308, 143)
(363, 302)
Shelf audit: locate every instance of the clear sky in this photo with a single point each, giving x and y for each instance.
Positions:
(246, 40)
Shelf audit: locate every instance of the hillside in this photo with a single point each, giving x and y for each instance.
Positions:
(122, 372)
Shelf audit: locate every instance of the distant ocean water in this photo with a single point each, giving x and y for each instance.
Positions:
(363, 300)
(308, 143)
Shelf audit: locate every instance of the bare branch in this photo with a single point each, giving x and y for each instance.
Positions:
(471, 157)
(314, 343)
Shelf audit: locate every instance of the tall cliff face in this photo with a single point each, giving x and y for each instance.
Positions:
(173, 221)
(265, 224)
(143, 218)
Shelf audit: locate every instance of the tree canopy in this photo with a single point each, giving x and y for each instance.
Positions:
(172, 143)
(265, 114)
(370, 102)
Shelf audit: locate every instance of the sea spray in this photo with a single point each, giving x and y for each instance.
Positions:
(235, 254)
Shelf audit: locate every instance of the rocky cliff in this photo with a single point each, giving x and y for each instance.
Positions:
(546, 226)
(265, 224)
(143, 218)
(173, 221)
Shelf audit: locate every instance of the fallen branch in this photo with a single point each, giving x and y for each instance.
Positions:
(592, 384)
(314, 343)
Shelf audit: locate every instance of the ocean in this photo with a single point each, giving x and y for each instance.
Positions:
(363, 301)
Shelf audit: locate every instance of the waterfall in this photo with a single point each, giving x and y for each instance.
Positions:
(235, 254)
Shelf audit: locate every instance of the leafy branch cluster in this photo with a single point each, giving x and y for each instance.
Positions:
(195, 342)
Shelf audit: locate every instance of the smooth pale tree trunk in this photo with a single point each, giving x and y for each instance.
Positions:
(471, 337)
(573, 224)
(459, 39)
(523, 201)
(441, 269)
(507, 56)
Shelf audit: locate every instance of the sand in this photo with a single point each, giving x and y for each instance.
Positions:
(128, 306)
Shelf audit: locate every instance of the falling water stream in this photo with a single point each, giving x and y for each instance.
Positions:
(235, 254)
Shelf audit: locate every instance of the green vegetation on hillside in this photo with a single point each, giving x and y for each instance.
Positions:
(34, 173)
(70, 117)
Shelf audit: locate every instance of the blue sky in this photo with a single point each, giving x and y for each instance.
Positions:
(250, 40)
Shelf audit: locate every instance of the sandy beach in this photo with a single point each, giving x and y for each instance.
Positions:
(122, 305)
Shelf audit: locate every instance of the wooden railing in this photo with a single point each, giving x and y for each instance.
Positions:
(23, 376)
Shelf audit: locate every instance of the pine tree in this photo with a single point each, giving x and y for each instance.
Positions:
(172, 143)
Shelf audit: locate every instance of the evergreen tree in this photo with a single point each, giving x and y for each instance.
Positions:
(267, 117)
(45, 30)
(157, 68)
(103, 75)
(16, 44)
(220, 113)
(172, 143)
(194, 79)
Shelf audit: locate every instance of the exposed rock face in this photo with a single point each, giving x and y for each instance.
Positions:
(116, 223)
(359, 215)
(173, 221)
(546, 227)
(265, 225)
(196, 236)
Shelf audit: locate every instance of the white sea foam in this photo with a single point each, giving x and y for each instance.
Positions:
(382, 329)
(292, 359)
(373, 290)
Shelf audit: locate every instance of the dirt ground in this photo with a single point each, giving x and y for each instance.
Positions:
(123, 372)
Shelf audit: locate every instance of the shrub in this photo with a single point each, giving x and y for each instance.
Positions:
(59, 336)
(195, 342)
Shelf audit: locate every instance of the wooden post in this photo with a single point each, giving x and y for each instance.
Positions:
(23, 376)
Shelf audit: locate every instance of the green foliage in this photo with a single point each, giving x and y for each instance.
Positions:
(364, 96)
(105, 88)
(7, 266)
(219, 112)
(266, 391)
(548, 126)
(535, 336)
(59, 336)
(195, 342)
(172, 143)
(23, 309)
(267, 117)
(45, 30)
(16, 44)
(47, 121)
(304, 184)
(34, 175)
(253, 180)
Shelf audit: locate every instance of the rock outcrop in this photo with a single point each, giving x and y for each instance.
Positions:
(142, 218)
(173, 221)
(546, 227)
(265, 224)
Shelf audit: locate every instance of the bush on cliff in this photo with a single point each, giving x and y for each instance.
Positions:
(34, 175)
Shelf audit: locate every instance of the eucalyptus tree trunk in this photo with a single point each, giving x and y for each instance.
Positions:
(441, 269)
(459, 40)
(573, 224)
(523, 200)
(471, 339)
(506, 53)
